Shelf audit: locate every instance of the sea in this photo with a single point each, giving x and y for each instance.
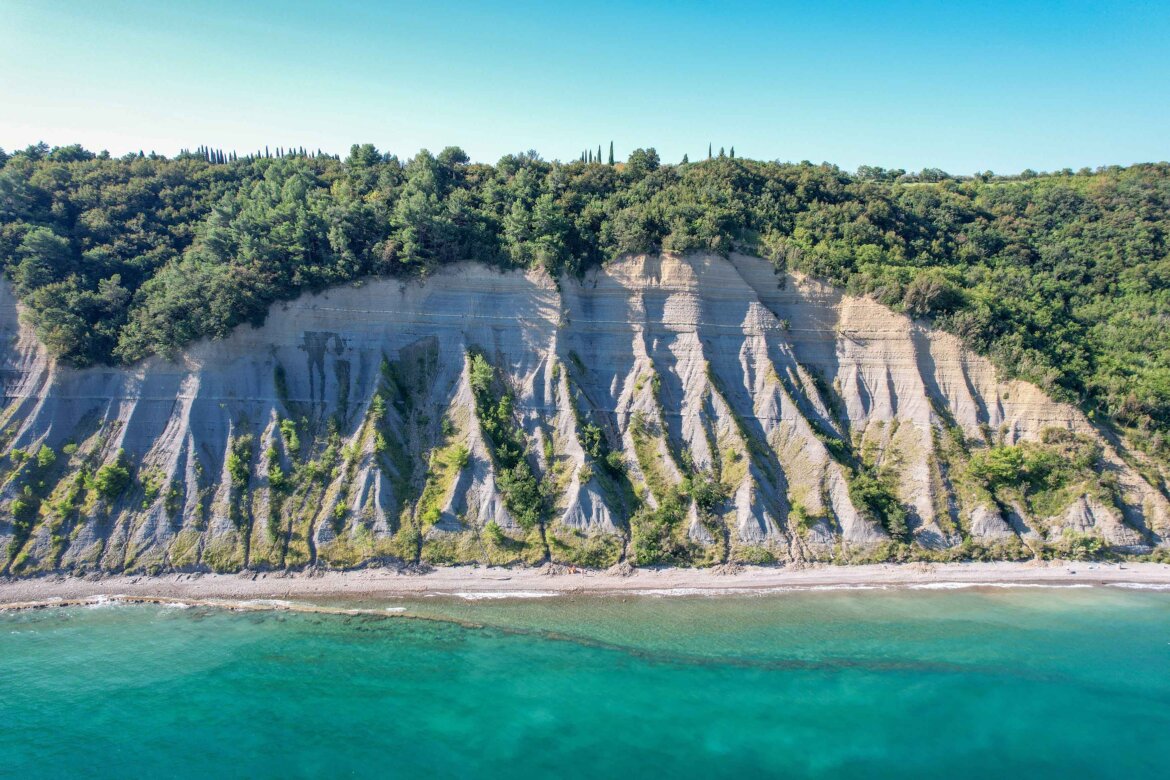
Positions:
(950, 682)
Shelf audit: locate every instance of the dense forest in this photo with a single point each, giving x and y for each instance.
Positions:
(1062, 278)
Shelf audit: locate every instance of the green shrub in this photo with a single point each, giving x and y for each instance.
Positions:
(288, 432)
(1003, 465)
(707, 491)
(874, 495)
(46, 457)
(656, 534)
(24, 507)
(494, 533)
(239, 461)
(514, 478)
(112, 479)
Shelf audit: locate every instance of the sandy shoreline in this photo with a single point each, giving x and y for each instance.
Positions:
(481, 583)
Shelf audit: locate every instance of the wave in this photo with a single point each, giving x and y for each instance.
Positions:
(1141, 585)
(964, 585)
(500, 594)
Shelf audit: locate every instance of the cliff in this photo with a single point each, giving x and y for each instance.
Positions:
(685, 410)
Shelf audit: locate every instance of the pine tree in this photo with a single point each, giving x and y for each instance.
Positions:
(685, 160)
(611, 152)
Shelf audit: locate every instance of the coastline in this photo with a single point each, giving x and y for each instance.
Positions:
(273, 590)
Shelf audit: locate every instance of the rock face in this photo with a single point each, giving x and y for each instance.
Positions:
(346, 431)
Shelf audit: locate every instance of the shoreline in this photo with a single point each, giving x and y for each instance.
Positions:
(480, 583)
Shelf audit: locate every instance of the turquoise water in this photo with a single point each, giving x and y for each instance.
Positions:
(1048, 682)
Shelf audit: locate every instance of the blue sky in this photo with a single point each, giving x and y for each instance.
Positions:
(994, 85)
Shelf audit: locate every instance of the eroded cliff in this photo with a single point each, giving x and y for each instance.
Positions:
(684, 410)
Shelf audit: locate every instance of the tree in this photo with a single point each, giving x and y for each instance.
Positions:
(72, 153)
(112, 479)
(44, 257)
(733, 152)
(685, 160)
(641, 162)
(363, 156)
(480, 374)
(930, 294)
(610, 152)
(708, 151)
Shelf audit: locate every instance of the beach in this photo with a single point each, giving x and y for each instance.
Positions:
(473, 582)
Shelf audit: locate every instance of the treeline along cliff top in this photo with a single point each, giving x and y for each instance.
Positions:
(1061, 278)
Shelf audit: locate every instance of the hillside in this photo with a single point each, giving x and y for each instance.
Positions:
(659, 409)
(1062, 279)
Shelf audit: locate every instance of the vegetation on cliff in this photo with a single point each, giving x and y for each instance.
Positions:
(1062, 278)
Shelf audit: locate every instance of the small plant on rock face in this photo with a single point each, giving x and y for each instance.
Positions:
(706, 491)
(288, 432)
(340, 512)
(494, 533)
(112, 479)
(239, 461)
(277, 479)
(46, 457)
(152, 482)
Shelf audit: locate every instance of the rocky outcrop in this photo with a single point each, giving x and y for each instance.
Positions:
(344, 431)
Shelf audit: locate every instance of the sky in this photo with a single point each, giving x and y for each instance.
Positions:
(965, 87)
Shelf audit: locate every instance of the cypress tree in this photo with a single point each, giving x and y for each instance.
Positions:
(598, 157)
(708, 150)
(721, 152)
(611, 152)
(685, 160)
(733, 152)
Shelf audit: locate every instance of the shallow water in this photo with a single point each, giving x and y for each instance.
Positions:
(1050, 682)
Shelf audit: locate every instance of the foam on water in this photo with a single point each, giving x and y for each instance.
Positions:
(494, 595)
(1140, 585)
(966, 585)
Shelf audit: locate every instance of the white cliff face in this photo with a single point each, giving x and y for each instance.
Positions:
(356, 436)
